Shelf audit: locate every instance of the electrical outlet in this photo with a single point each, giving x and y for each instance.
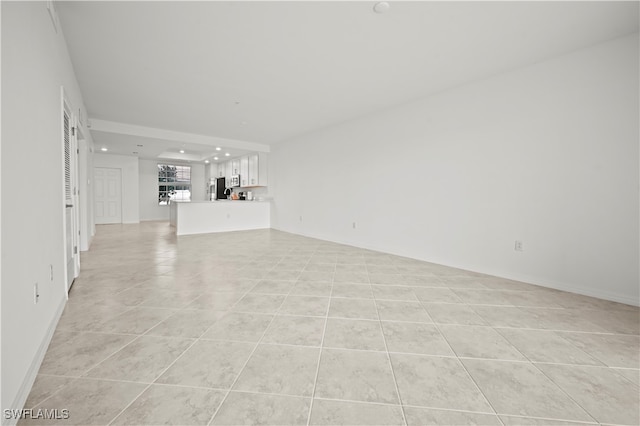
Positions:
(354, 225)
(36, 294)
(300, 218)
(50, 272)
(518, 246)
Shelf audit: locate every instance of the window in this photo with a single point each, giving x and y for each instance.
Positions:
(174, 183)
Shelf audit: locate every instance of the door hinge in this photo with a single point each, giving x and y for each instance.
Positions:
(73, 131)
(75, 249)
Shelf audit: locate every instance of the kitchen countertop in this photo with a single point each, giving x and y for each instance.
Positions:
(220, 201)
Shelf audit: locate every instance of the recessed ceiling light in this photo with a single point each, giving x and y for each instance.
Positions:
(182, 151)
(218, 148)
(226, 154)
(381, 7)
(215, 158)
(103, 149)
(206, 161)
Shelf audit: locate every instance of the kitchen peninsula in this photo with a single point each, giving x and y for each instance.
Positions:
(203, 217)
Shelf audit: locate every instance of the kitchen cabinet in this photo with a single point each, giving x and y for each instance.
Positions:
(228, 170)
(235, 167)
(244, 171)
(257, 170)
(207, 174)
(211, 171)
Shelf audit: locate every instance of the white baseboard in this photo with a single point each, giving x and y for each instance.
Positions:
(599, 294)
(30, 377)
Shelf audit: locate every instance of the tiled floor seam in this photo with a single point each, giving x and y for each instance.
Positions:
(469, 374)
(393, 374)
(151, 384)
(248, 358)
(165, 369)
(566, 393)
(315, 380)
(557, 385)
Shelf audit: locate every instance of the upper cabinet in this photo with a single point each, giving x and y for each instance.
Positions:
(235, 167)
(257, 170)
(211, 171)
(252, 169)
(228, 169)
(244, 171)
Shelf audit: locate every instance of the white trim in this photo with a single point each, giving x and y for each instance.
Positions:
(32, 372)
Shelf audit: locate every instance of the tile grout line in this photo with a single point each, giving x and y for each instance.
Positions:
(388, 356)
(563, 391)
(553, 381)
(248, 358)
(169, 366)
(152, 382)
(324, 331)
(469, 374)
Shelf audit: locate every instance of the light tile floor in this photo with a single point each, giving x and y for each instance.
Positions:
(265, 327)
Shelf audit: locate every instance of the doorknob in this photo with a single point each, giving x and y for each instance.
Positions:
(69, 205)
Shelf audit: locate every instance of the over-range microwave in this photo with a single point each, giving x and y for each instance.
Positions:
(234, 181)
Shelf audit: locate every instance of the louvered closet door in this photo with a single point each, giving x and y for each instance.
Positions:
(68, 198)
(107, 195)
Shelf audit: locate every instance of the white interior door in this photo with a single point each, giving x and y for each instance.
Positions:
(107, 195)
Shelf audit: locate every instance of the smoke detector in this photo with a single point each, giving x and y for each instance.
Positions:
(381, 7)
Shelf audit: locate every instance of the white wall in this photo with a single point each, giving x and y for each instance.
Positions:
(547, 154)
(35, 64)
(130, 186)
(149, 208)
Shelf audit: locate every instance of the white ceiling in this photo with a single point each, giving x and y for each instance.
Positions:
(265, 71)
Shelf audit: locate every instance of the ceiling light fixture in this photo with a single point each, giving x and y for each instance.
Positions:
(215, 158)
(206, 161)
(182, 151)
(218, 148)
(381, 7)
(103, 149)
(226, 154)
